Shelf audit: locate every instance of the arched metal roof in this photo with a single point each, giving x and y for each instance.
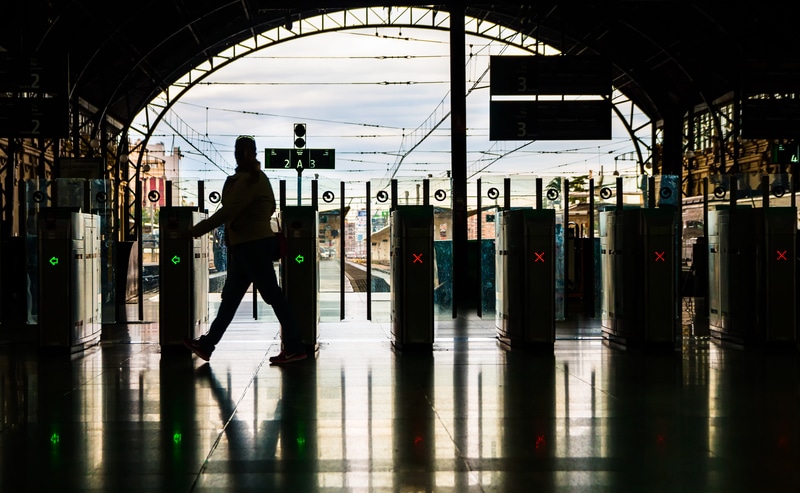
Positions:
(666, 56)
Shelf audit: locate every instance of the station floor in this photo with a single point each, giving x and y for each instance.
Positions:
(470, 416)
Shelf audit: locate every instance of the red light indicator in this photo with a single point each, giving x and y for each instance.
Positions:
(660, 257)
(417, 258)
(781, 255)
(540, 441)
(539, 257)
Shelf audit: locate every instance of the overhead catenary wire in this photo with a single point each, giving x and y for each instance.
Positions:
(431, 130)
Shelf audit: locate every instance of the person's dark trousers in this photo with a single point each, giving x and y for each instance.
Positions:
(248, 263)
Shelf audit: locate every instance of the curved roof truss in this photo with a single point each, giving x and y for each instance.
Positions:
(158, 109)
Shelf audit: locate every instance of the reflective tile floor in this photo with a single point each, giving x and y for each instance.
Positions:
(469, 417)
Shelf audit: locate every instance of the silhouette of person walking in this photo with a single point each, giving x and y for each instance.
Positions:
(248, 203)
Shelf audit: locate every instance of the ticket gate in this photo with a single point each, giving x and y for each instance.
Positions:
(412, 262)
(70, 291)
(525, 278)
(182, 277)
(752, 277)
(639, 300)
(300, 270)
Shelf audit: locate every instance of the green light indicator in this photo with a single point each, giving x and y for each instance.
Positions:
(301, 437)
(53, 261)
(55, 438)
(176, 260)
(299, 259)
(176, 438)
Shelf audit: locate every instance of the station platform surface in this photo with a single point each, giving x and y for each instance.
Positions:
(469, 416)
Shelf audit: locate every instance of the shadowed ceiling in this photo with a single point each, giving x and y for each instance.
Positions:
(665, 56)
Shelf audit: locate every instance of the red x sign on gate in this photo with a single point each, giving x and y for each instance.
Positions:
(660, 257)
(539, 257)
(417, 258)
(781, 255)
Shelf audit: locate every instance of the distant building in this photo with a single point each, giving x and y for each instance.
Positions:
(157, 168)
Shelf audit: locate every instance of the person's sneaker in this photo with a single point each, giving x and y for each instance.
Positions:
(197, 348)
(285, 357)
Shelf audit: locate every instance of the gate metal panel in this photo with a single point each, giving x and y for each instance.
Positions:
(300, 270)
(526, 277)
(183, 277)
(412, 277)
(69, 278)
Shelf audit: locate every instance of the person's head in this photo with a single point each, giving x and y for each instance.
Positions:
(245, 151)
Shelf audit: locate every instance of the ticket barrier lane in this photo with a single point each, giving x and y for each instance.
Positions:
(70, 291)
(300, 270)
(639, 269)
(525, 285)
(412, 267)
(752, 276)
(182, 277)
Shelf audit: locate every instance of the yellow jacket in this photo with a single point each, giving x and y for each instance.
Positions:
(247, 206)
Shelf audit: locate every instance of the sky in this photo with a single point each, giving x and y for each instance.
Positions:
(366, 93)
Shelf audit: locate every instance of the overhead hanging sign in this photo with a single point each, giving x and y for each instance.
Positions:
(550, 120)
(300, 159)
(549, 75)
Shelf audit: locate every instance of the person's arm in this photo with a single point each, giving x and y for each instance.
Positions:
(271, 205)
(236, 199)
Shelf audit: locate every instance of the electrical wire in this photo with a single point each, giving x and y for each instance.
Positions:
(275, 115)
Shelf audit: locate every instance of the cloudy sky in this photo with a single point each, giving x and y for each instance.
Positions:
(366, 93)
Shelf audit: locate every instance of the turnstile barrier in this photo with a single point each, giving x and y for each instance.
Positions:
(525, 277)
(182, 277)
(412, 307)
(300, 270)
(70, 290)
(752, 276)
(639, 304)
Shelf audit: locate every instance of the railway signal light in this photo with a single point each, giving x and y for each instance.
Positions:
(299, 135)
